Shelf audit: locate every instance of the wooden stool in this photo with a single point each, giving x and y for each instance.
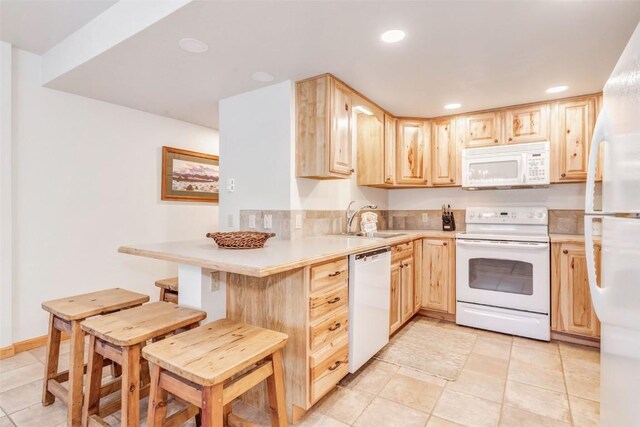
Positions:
(168, 289)
(120, 337)
(65, 315)
(210, 366)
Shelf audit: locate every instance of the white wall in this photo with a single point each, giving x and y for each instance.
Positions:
(87, 180)
(255, 146)
(558, 196)
(5, 195)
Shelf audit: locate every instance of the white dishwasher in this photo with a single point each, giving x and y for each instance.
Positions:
(369, 299)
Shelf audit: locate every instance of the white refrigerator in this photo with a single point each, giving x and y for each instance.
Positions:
(617, 300)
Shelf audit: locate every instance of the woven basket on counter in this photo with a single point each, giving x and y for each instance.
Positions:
(240, 239)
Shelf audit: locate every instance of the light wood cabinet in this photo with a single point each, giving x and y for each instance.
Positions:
(390, 146)
(571, 308)
(438, 275)
(482, 129)
(576, 120)
(417, 276)
(527, 124)
(323, 131)
(402, 306)
(370, 136)
(412, 152)
(443, 152)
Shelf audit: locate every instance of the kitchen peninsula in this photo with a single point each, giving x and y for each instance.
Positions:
(299, 287)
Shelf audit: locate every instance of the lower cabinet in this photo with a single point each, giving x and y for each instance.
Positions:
(571, 308)
(438, 275)
(402, 306)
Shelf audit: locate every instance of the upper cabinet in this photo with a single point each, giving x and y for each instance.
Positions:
(390, 129)
(443, 152)
(370, 136)
(324, 128)
(576, 120)
(412, 152)
(482, 129)
(527, 124)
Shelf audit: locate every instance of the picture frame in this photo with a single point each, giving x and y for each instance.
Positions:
(190, 176)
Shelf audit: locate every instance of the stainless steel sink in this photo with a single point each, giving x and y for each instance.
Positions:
(377, 235)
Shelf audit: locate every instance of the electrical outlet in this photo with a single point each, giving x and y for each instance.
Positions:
(298, 221)
(230, 220)
(425, 217)
(252, 222)
(215, 281)
(231, 185)
(267, 222)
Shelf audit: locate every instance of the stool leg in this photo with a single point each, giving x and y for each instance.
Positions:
(51, 362)
(212, 413)
(275, 386)
(157, 411)
(130, 386)
(116, 370)
(76, 372)
(162, 292)
(94, 377)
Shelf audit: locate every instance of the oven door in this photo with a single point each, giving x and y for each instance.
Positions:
(493, 171)
(512, 275)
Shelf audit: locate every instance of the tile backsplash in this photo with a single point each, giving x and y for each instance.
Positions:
(319, 223)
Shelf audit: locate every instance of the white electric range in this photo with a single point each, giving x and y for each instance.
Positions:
(503, 271)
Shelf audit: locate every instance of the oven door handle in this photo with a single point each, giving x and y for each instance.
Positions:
(501, 244)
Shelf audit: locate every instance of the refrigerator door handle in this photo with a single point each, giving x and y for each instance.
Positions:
(600, 133)
(597, 293)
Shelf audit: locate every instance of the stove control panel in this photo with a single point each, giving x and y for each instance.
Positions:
(507, 215)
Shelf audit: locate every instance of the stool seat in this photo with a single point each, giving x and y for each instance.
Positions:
(87, 305)
(170, 284)
(214, 352)
(139, 324)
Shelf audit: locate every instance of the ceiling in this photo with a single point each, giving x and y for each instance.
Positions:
(38, 25)
(482, 54)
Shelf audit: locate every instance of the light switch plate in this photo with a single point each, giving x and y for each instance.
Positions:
(252, 222)
(298, 221)
(267, 222)
(231, 185)
(425, 217)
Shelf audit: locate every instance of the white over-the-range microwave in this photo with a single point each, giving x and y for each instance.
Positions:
(506, 166)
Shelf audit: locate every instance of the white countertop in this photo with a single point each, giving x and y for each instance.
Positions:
(276, 256)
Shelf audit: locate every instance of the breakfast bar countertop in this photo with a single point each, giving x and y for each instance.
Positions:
(277, 255)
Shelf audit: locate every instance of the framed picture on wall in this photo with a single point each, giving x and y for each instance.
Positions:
(189, 175)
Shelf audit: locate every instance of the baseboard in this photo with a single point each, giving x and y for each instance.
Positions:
(449, 317)
(26, 345)
(574, 339)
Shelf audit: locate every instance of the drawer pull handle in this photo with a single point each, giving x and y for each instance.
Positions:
(335, 327)
(565, 251)
(337, 273)
(335, 366)
(333, 301)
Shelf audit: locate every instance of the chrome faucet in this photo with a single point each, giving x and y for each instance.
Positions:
(350, 217)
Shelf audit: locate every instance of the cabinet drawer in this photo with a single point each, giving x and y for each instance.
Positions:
(327, 330)
(329, 274)
(328, 300)
(402, 250)
(328, 368)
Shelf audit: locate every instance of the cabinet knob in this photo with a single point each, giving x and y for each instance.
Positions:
(444, 244)
(510, 139)
(451, 180)
(563, 175)
(495, 140)
(352, 170)
(565, 251)
(568, 130)
(346, 107)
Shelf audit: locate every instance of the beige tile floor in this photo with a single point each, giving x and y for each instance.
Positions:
(507, 381)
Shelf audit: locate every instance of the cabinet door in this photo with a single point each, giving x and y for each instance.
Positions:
(481, 130)
(437, 286)
(573, 311)
(411, 158)
(340, 141)
(395, 319)
(417, 275)
(370, 137)
(527, 124)
(390, 129)
(406, 293)
(443, 152)
(576, 120)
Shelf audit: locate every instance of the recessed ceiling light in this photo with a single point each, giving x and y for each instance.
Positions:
(557, 89)
(392, 36)
(262, 76)
(362, 109)
(193, 45)
(452, 106)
